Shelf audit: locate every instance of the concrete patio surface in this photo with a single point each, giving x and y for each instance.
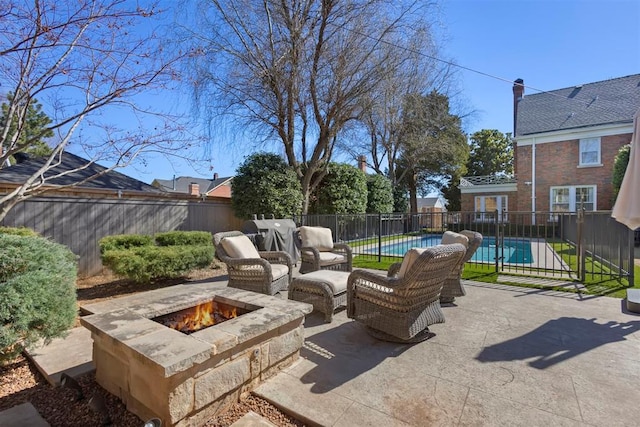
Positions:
(506, 356)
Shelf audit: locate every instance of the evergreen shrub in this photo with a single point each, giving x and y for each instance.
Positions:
(37, 292)
(124, 241)
(18, 231)
(141, 260)
(182, 238)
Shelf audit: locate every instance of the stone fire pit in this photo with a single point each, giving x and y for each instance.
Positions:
(185, 379)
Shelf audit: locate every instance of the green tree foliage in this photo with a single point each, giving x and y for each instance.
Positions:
(452, 194)
(30, 138)
(400, 201)
(37, 292)
(619, 168)
(265, 184)
(379, 194)
(491, 153)
(343, 191)
(434, 144)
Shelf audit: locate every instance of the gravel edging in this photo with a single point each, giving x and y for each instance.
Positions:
(21, 382)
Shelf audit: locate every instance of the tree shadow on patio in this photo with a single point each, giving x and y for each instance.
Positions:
(342, 353)
(558, 340)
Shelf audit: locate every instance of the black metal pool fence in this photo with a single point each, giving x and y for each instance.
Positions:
(564, 245)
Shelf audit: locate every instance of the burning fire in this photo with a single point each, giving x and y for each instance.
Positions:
(199, 317)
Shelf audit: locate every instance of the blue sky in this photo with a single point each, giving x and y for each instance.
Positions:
(549, 44)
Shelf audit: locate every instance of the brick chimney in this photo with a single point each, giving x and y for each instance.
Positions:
(194, 189)
(215, 175)
(362, 163)
(518, 93)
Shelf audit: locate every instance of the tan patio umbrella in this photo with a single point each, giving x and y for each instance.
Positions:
(627, 207)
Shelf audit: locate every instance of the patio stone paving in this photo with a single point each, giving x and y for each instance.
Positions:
(505, 356)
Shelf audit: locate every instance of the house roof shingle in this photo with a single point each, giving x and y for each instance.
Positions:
(111, 180)
(606, 102)
(181, 184)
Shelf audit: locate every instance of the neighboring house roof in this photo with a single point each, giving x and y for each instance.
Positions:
(430, 202)
(181, 184)
(111, 180)
(600, 103)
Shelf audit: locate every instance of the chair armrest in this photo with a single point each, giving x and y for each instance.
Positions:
(394, 269)
(310, 251)
(277, 257)
(367, 279)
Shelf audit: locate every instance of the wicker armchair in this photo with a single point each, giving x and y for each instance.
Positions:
(401, 306)
(266, 272)
(453, 286)
(319, 252)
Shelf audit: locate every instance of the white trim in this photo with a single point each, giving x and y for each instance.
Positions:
(576, 133)
(489, 188)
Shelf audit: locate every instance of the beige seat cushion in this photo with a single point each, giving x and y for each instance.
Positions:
(409, 258)
(336, 280)
(330, 258)
(450, 237)
(279, 270)
(239, 247)
(316, 237)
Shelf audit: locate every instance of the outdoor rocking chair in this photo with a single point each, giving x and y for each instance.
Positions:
(453, 286)
(401, 306)
(266, 272)
(319, 252)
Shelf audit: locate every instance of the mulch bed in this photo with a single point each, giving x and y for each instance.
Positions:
(21, 382)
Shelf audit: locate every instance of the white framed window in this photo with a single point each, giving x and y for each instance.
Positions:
(485, 207)
(589, 152)
(568, 199)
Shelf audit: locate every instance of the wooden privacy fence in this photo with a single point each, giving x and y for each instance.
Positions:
(80, 223)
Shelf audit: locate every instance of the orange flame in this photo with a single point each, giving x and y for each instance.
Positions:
(201, 316)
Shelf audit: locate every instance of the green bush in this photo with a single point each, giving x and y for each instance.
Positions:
(37, 292)
(343, 191)
(619, 168)
(18, 231)
(182, 238)
(147, 263)
(379, 194)
(124, 241)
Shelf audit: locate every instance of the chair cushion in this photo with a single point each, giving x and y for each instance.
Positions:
(409, 258)
(279, 270)
(330, 258)
(239, 247)
(316, 237)
(449, 237)
(336, 280)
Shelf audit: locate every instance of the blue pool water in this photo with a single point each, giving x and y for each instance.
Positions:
(515, 251)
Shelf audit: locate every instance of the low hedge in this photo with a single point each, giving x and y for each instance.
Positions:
(182, 238)
(124, 241)
(37, 292)
(168, 255)
(18, 231)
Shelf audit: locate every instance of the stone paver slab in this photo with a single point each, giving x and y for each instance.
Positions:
(251, 419)
(70, 355)
(21, 416)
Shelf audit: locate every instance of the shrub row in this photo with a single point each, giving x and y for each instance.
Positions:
(166, 255)
(37, 291)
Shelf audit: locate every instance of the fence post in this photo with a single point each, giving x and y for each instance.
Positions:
(580, 245)
(379, 237)
(497, 233)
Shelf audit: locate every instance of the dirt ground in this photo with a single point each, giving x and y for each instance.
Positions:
(89, 404)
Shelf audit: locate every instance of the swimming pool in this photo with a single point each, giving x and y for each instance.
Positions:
(514, 251)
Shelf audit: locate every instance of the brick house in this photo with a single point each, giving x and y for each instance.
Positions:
(216, 187)
(565, 145)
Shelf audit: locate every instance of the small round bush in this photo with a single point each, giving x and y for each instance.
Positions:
(342, 191)
(379, 194)
(181, 238)
(18, 231)
(37, 292)
(124, 241)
